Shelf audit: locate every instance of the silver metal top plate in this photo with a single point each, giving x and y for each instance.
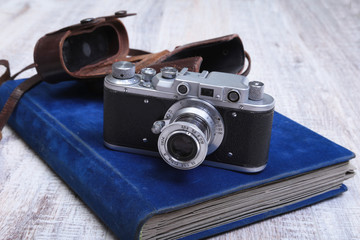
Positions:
(212, 87)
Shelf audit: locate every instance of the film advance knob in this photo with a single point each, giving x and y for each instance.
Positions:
(123, 70)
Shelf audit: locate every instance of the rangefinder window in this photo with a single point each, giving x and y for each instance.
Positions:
(89, 48)
(207, 92)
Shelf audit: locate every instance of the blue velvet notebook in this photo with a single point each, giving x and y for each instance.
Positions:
(132, 193)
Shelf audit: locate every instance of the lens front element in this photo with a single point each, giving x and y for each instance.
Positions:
(183, 145)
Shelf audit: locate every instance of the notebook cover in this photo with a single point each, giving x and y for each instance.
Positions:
(63, 123)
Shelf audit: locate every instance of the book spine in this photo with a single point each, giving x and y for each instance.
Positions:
(114, 200)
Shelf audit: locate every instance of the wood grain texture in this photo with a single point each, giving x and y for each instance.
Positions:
(306, 52)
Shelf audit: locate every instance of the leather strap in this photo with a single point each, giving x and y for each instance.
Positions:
(6, 75)
(23, 70)
(14, 98)
(136, 52)
(247, 71)
(149, 59)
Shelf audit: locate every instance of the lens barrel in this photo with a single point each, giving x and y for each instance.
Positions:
(194, 129)
(183, 145)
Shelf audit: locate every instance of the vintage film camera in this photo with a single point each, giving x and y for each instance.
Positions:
(188, 117)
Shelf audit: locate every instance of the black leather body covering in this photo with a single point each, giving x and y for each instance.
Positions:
(128, 120)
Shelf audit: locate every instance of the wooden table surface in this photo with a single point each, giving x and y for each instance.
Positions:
(306, 52)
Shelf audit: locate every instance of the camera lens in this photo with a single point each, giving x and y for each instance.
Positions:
(182, 146)
(194, 129)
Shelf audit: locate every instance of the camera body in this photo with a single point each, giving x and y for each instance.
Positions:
(187, 117)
